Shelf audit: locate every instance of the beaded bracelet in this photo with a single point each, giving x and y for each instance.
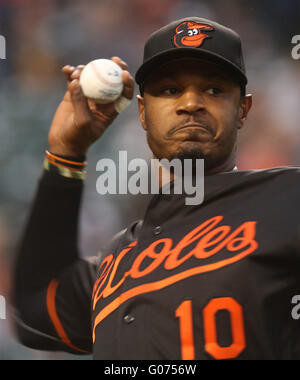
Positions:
(65, 167)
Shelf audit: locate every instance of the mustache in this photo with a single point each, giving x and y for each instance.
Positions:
(201, 121)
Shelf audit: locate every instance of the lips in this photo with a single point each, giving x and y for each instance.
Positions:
(195, 126)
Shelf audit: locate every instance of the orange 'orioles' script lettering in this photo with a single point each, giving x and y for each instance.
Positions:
(210, 239)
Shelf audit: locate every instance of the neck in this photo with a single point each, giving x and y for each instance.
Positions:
(162, 172)
(226, 166)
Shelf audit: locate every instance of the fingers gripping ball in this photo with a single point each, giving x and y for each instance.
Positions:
(101, 80)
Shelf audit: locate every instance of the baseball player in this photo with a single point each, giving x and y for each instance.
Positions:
(209, 281)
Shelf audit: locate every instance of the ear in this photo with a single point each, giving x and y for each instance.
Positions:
(141, 105)
(245, 106)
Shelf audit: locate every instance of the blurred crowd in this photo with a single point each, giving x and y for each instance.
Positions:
(44, 35)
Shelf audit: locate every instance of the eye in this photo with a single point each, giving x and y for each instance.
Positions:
(170, 91)
(190, 33)
(214, 91)
(195, 31)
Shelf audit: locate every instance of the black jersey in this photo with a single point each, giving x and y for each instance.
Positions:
(213, 281)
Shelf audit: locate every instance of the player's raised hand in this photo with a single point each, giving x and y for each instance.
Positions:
(78, 121)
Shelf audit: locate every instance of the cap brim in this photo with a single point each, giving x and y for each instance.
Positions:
(166, 56)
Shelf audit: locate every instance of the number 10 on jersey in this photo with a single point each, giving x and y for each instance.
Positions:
(187, 335)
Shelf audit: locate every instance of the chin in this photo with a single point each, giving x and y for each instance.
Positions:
(190, 151)
(187, 150)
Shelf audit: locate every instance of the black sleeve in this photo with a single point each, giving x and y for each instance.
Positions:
(52, 285)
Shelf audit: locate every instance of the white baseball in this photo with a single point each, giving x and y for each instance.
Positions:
(101, 80)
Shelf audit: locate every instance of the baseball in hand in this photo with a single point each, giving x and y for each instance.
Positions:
(101, 80)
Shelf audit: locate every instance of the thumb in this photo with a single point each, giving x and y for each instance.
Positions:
(82, 113)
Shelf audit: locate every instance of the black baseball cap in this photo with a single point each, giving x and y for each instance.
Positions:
(194, 37)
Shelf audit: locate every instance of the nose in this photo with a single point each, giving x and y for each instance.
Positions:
(190, 102)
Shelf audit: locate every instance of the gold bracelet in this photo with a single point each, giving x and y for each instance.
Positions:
(64, 171)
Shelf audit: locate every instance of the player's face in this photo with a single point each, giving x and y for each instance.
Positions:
(192, 109)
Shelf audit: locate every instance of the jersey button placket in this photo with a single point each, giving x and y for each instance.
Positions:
(129, 319)
(157, 230)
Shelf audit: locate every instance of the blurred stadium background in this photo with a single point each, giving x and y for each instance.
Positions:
(44, 35)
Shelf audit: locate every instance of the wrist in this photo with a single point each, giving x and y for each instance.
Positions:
(67, 151)
(77, 158)
(66, 166)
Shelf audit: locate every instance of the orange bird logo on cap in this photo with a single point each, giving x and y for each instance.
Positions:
(191, 34)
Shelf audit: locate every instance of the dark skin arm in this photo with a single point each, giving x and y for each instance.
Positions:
(48, 250)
